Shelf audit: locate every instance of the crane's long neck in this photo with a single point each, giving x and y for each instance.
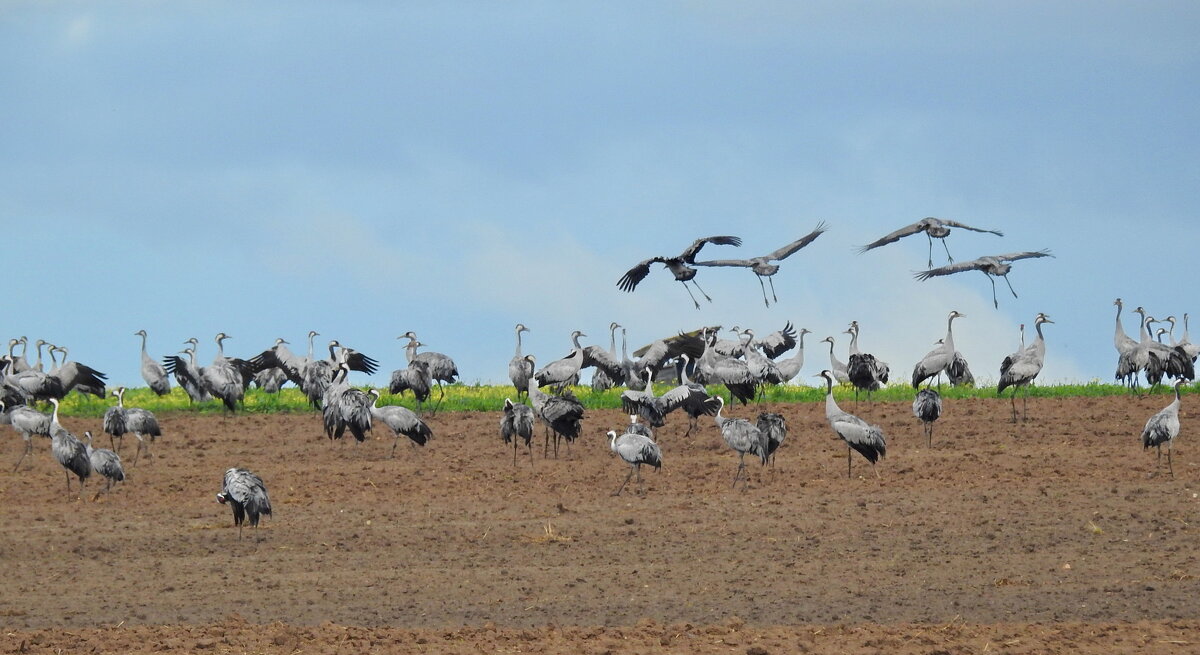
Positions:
(1145, 328)
(854, 342)
(1171, 332)
(575, 340)
(1185, 329)
(949, 343)
(121, 399)
(1120, 335)
(831, 406)
(410, 351)
(311, 336)
(624, 346)
(612, 341)
(649, 383)
(518, 353)
(144, 344)
(38, 364)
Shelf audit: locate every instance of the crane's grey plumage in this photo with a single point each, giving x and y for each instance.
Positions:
(1158, 359)
(733, 373)
(934, 228)
(441, 367)
(188, 374)
(105, 462)
(1022, 367)
(517, 422)
(121, 419)
(992, 266)
(743, 437)
(774, 428)
(865, 371)
(1190, 349)
(246, 495)
(566, 370)
(655, 355)
(1163, 427)
(223, 378)
(152, 372)
(938, 359)
(69, 451)
(415, 378)
(519, 368)
(635, 449)
(678, 266)
(836, 366)
(601, 379)
(762, 266)
(859, 435)
(635, 427)
(790, 367)
(1127, 369)
(28, 421)
(561, 414)
(38, 385)
(402, 421)
(345, 407)
(927, 407)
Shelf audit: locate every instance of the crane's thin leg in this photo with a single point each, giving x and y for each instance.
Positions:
(930, 240)
(28, 448)
(1013, 399)
(771, 281)
(1014, 293)
(514, 451)
(441, 395)
(847, 461)
(1025, 404)
(995, 303)
(694, 302)
(620, 488)
(1170, 467)
(395, 442)
(741, 467)
(546, 445)
(947, 250)
(700, 290)
(764, 290)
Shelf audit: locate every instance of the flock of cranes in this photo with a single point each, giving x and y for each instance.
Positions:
(695, 361)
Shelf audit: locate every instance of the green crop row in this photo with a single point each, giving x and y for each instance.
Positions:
(463, 397)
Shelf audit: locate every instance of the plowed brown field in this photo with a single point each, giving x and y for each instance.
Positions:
(1051, 535)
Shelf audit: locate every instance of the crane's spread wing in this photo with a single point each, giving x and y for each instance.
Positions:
(905, 231)
(950, 269)
(689, 255)
(792, 247)
(598, 357)
(779, 342)
(1014, 256)
(968, 227)
(744, 263)
(635, 275)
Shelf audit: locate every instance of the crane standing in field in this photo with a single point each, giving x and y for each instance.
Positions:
(762, 265)
(774, 428)
(121, 419)
(28, 422)
(441, 367)
(561, 414)
(635, 449)
(246, 495)
(402, 421)
(865, 371)
(837, 367)
(934, 228)
(519, 368)
(859, 435)
(517, 422)
(938, 359)
(927, 407)
(152, 372)
(1022, 367)
(105, 462)
(678, 265)
(992, 266)
(743, 437)
(1162, 428)
(69, 451)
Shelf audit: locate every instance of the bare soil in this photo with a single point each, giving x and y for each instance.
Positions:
(1057, 534)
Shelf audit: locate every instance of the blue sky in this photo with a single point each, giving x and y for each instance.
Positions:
(364, 169)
